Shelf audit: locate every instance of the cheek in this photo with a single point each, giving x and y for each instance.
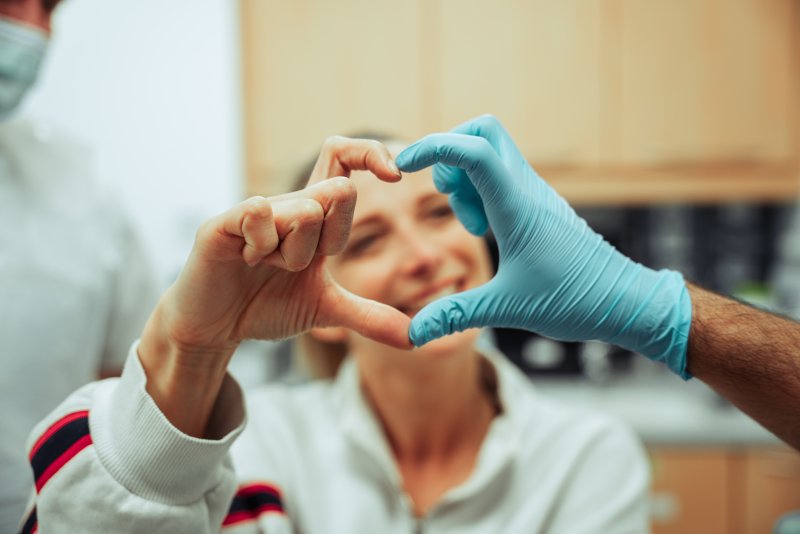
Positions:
(484, 266)
(473, 251)
(369, 278)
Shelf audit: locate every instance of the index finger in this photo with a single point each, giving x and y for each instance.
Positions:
(492, 130)
(474, 155)
(341, 155)
(337, 196)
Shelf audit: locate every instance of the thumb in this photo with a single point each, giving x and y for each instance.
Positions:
(377, 321)
(451, 314)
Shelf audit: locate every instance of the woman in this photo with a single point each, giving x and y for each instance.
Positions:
(447, 437)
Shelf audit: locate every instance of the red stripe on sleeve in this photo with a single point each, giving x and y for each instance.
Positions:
(55, 427)
(53, 468)
(253, 500)
(250, 489)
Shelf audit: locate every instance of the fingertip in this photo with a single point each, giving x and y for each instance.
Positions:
(405, 344)
(407, 159)
(387, 171)
(418, 334)
(478, 228)
(476, 223)
(394, 169)
(250, 257)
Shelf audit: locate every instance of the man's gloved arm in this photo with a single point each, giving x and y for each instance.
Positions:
(556, 277)
(559, 278)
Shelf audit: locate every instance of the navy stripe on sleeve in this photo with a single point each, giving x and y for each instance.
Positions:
(30, 524)
(58, 445)
(251, 501)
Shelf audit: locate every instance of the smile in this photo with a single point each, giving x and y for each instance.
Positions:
(419, 302)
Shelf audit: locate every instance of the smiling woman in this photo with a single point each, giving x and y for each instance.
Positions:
(439, 407)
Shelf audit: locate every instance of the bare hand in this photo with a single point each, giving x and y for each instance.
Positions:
(257, 272)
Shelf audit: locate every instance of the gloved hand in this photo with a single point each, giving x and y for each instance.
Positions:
(556, 277)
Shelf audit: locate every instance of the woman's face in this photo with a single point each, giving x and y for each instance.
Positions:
(406, 249)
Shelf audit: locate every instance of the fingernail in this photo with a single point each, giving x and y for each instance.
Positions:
(393, 167)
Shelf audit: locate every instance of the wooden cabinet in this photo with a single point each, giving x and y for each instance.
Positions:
(315, 68)
(708, 81)
(723, 490)
(768, 486)
(521, 61)
(690, 491)
(614, 102)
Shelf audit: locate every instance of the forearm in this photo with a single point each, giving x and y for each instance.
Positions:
(183, 381)
(749, 356)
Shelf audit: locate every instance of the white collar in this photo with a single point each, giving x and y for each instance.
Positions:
(361, 426)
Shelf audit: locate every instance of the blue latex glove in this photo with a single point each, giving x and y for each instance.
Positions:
(556, 277)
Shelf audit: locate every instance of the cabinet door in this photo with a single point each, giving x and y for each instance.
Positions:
(708, 81)
(690, 491)
(769, 488)
(533, 63)
(314, 68)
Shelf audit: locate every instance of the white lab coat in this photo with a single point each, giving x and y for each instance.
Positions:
(314, 459)
(75, 288)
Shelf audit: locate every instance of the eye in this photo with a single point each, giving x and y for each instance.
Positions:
(440, 211)
(361, 245)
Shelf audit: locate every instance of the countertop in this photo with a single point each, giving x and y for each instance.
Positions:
(662, 408)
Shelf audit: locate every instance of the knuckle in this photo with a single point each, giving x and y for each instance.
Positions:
(380, 148)
(309, 210)
(482, 147)
(343, 189)
(437, 142)
(258, 208)
(205, 231)
(487, 119)
(334, 142)
(476, 145)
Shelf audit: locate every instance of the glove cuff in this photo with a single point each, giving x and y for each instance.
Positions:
(661, 319)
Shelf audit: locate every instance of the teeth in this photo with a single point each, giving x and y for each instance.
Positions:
(416, 306)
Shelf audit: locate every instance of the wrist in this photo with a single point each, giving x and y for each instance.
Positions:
(657, 315)
(184, 380)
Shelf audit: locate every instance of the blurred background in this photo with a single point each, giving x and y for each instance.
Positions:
(673, 127)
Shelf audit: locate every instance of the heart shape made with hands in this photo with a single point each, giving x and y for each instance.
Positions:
(257, 270)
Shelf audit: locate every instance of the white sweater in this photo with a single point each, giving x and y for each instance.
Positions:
(313, 459)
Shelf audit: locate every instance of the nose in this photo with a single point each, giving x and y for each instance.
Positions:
(422, 256)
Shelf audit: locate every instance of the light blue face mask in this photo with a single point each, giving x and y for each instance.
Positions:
(21, 51)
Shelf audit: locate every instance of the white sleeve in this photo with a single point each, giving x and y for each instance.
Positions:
(107, 460)
(608, 490)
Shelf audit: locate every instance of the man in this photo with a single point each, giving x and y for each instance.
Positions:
(559, 278)
(75, 288)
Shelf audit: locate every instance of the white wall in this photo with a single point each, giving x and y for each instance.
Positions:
(153, 87)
